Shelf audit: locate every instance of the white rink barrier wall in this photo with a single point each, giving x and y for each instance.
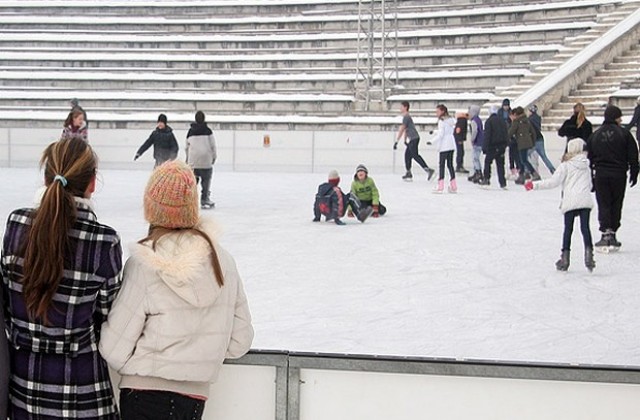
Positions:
(248, 151)
(311, 386)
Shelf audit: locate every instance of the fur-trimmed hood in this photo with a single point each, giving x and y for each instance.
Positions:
(182, 261)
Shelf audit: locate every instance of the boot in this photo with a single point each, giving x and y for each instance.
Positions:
(408, 176)
(588, 259)
(461, 170)
(475, 177)
(535, 177)
(365, 213)
(479, 179)
(439, 189)
(520, 179)
(563, 263)
(453, 186)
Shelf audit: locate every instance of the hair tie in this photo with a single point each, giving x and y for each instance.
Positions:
(62, 180)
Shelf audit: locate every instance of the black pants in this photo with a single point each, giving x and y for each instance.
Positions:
(204, 176)
(498, 156)
(381, 209)
(411, 153)
(459, 154)
(446, 158)
(514, 156)
(569, 218)
(610, 196)
(158, 405)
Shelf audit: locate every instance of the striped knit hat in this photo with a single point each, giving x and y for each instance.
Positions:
(171, 197)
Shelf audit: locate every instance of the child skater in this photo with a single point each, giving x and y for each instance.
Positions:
(446, 144)
(365, 189)
(574, 174)
(332, 202)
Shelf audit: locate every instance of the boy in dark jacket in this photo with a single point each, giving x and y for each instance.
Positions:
(460, 134)
(332, 202)
(165, 145)
(495, 141)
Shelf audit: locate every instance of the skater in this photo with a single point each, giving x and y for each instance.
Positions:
(477, 138)
(522, 130)
(635, 121)
(365, 189)
(74, 104)
(201, 156)
(182, 309)
(577, 126)
(408, 131)
(332, 202)
(536, 122)
(574, 175)
(494, 145)
(514, 157)
(446, 144)
(612, 151)
(60, 275)
(460, 134)
(165, 146)
(75, 126)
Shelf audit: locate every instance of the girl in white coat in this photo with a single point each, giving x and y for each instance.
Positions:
(181, 311)
(574, 174)
(445, 143)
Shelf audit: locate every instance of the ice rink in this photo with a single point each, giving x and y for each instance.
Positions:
(468, 276)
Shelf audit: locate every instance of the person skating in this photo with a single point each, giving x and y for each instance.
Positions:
(446, 144)
(635, 121)
(460, 134)
(409, 134)
(504, 113)
(332, 203)
(613, 152)
(75, 126)
(201, 156)
(477, 138)
(365, 189)
(522, 130)
(577, 126)
(496, 139)
(165, 145)
(574, 174)
(536, 122)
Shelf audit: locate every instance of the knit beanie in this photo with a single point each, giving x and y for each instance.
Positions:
(575, 146)
(333, 174)
(612, 113)
(361, 167)
(162, 118)
(533, 109)
(171, 197)
(506, 102)
(493, 109)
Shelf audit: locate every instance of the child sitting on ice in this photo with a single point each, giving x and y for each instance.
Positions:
(332, 202)
(574, 174)
(365, 189)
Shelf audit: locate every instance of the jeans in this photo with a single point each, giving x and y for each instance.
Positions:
(610, 196)
(498, 156)
(446, 158)
(477, 151)
(525, 163)
(459, 154)
(514, 156)
(158, 405)
(569, 218)
(411, 152)
(204, 175)
(539, 148)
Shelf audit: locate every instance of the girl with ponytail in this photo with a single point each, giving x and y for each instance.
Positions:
(578, 126)
(60, 274)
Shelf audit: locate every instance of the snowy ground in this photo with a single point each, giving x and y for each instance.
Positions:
(459, 276)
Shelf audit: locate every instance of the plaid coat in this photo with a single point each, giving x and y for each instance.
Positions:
(56, 370)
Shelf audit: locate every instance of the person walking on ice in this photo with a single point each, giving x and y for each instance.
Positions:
(408, 131)
(201, 155)
(446, 144)
(574, 174)
(165, 146)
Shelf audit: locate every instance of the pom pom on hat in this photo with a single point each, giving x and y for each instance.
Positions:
(171, 197)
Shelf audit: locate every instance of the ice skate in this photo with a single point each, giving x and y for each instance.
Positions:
(439, 189)
(485, 184)
(461, 170)
(408, 177)
(563, 263)
(608, 243)
(365, 213)
(207, 204)
(589, 262)
(453, 187)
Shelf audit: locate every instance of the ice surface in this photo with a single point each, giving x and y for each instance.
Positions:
(464, 276)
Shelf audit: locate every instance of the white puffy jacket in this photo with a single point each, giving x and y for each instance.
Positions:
(444, 140)
(171, 325)
(575, 177)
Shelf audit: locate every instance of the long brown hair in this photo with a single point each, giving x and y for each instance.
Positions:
(72, 115)
(48, 242)
(157, 232)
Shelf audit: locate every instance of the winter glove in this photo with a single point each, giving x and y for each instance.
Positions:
(376, 212)
(528, 185)
(350, 213)
(633, 179)
(136, 156)
(395, 145)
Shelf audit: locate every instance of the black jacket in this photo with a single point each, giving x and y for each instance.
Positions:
(613, 151)
(165, 146)
(199, 130)
(4, 364)
(460, 133)
(570, 129)
(635, 122)
(496, 135)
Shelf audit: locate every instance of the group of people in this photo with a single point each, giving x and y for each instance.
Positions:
(165, 322)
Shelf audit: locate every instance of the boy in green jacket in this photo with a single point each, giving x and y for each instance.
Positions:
(365, 189)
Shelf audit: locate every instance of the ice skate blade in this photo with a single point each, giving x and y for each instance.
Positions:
(607, 249)
(407, 179)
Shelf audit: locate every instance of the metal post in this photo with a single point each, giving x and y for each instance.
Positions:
(282, 389)
(293, 405)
